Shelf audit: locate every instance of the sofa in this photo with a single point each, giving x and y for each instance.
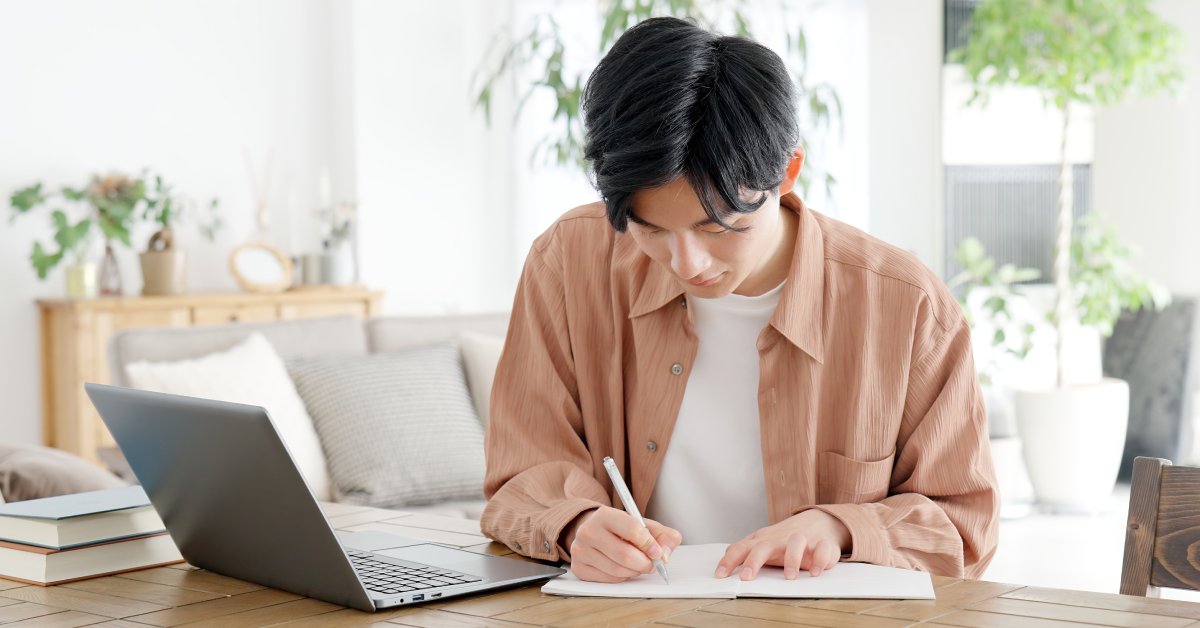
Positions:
(335, 338)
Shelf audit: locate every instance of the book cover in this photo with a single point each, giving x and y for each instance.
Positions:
(41, 566)
(78, 504)
(80, 519)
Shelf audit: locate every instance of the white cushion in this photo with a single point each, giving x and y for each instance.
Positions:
(251, 373)
(480, 354)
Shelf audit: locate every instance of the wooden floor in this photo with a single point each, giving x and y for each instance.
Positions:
(172, 596)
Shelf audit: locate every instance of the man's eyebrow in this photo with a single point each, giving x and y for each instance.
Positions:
(696, 225)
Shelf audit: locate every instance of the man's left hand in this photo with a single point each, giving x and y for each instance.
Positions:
(812, 540)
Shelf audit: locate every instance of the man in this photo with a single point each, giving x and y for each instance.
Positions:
(763, 375)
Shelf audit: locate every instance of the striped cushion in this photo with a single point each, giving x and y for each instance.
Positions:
(397, 428)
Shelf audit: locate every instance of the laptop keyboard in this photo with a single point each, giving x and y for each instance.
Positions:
(390, 578)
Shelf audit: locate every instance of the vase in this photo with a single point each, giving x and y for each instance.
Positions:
(110, 273)
(81, 281)
(1072, 440)
(164, 272)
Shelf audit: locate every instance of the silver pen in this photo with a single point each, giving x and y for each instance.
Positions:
(630, 507)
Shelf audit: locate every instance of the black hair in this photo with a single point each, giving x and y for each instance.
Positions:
(671, 99)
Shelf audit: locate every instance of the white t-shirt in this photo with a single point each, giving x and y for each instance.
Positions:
(711, 487)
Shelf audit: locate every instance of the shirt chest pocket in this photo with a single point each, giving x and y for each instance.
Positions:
(843, 480)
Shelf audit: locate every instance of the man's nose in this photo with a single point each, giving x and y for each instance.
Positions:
(688, 258)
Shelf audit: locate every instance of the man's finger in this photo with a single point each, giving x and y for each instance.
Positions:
(597, 559)
(733, 557)
(624, 526)
(621, 552)
(758, 556)
(793, 555)
(825, 555)
(589, 573)
(668, 538)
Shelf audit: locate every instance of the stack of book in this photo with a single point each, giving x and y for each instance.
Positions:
(73, 537)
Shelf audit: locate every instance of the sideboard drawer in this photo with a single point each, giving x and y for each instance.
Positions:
(216, 315)
(315, 310)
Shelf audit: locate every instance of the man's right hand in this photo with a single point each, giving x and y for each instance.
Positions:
(608, 545)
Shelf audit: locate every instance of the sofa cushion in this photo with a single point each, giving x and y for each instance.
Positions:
(480, 354)
(253, 373)
(338, 335)
(397, 428)
(398, 333)
(33, 472)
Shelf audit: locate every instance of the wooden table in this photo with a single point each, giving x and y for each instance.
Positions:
(181, 594)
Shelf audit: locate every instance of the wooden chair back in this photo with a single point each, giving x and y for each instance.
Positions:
(1162, 534)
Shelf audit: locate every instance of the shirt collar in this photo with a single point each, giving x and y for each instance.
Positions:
(800, 316)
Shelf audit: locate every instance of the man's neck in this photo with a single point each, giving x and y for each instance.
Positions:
(775, 271)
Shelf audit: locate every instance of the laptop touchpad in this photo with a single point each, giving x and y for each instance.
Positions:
(437, 556)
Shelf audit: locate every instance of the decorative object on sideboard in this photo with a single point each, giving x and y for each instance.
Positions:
(260, 267)
(164, 265)
(1075, 54)
(339, 257)
(106, 203)
(112, 204)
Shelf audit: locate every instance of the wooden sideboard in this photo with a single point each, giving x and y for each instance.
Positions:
(75, 333)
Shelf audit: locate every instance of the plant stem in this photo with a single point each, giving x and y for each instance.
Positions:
(1063, 302)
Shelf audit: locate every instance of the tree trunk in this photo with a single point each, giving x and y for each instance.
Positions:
(1064, 302)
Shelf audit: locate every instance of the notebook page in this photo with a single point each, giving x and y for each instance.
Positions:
(691, 570)
(844, 580)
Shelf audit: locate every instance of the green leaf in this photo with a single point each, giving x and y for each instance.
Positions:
(27, 198)
(42, 261)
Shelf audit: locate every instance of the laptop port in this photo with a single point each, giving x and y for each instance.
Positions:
(433, 595)
(418, 597)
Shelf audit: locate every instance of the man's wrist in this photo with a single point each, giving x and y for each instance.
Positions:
(568, 534)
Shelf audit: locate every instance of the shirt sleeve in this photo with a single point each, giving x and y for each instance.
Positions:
(539, 472)
(941, 513)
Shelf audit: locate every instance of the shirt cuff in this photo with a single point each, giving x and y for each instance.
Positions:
(550, 528)
(868, 542)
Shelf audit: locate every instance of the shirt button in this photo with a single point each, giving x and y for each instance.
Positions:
(651, 445)
(683, 302)
(677, 368)
(546, 545)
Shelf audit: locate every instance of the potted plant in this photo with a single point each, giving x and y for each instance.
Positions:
(1002, 330)
(1072, 53)
(164, 265)
(109, 203)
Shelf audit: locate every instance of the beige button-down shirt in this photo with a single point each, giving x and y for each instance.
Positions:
(869, 407)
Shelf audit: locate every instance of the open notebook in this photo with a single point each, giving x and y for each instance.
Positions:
(692, 567)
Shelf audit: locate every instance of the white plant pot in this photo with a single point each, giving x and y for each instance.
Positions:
(1073, 439)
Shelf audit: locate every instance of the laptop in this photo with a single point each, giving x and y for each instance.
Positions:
(224, 484)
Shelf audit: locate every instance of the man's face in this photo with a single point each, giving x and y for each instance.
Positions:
(708, 261)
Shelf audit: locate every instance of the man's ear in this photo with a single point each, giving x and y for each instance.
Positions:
(793, 171)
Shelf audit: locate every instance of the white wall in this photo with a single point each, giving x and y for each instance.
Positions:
(1147, 157)
(904, 63)
(179, 87)
(434, 183)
